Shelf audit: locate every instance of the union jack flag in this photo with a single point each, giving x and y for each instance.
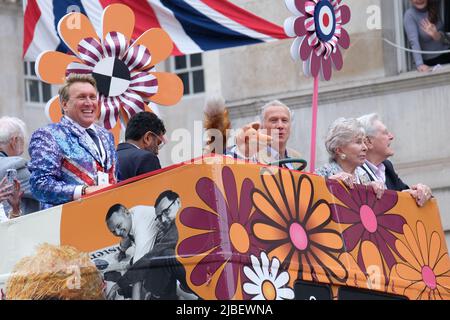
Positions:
(193, 25)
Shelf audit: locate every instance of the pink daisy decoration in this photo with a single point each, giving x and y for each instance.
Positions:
(317, 26)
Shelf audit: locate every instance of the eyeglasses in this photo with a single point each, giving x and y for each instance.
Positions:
(165, 211)
(161, 140)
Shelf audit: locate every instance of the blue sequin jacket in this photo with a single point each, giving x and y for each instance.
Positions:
(63, 157)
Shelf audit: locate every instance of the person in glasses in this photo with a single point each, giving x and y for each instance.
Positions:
(144, 137)
(155, 273)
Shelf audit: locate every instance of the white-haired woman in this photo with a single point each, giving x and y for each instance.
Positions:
(345, 144)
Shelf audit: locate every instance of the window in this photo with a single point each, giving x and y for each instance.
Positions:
(445, 16)
(36, 91)
(190, 70)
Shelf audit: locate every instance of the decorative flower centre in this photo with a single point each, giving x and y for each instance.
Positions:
(429, 277)
(239, 238)
(298, 236)
(268, 290)
(324, 20)
(368, 218)
(112, 76)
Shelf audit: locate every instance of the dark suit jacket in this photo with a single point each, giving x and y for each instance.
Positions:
(134, 161)
(393, 182)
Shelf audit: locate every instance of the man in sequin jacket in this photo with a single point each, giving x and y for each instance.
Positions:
(74, 157)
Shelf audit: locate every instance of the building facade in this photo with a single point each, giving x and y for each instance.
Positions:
(377, 77)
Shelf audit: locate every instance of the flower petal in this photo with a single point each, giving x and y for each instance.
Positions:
(245, 201)
(109, 111)
(73, 28)
(198, 244)
(331, 264)
(118, 18)
(131, 102)
(208, 191)
(345, 14)
(274, 188)
(352, 236)
(407, 255)
(285, 294)
(415, 290)
(337, 59)
(90, 51)
(51, 66)
(297, 7)
(384, 243)
(268, 233)
(344, 215)
(327, 240)
(386, 203)
(252, 289)
(299, 27)
(281, 252)
(305, 197)
(295, 48)
(407, 273)
(266, 207)
(144, 83)
(227, 284)
(53, 110)
(423, 241)
(229, 185)
(137, 57)
(305, 49)
(200, 219)
(207, 267)
(340, 192)
(287, 183)
(320, 215)
(116, 44)
(435, 249)
(412, 244)
(170, 89)
(158, 42)
(344, 39)
(326, 68)
(442, 266)
(79, 68)
(392, 222)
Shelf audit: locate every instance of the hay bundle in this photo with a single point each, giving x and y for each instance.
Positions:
(56, 273)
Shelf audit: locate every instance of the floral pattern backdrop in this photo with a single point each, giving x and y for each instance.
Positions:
(251, 232)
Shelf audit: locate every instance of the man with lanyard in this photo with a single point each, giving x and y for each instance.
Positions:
(377, 165)
(73, 157)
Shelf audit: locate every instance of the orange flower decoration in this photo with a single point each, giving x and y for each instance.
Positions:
(426, 266)
(373, 276)
(123, 68)
(294, 229)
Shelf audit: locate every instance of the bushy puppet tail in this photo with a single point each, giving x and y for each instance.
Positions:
(216, 123)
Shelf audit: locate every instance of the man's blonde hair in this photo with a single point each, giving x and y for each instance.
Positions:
(70, 80)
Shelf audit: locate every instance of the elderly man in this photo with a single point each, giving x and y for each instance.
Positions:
(378, 142)
(12, 145)
(275, 122)
(73, 157)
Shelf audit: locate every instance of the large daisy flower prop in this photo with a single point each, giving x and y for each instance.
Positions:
(318, 32)
(123, 68)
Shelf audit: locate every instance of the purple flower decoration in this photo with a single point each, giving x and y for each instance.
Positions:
(222, 235)
(317, 27)
(369, 219)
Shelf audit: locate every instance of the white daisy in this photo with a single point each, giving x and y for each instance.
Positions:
(266, 283)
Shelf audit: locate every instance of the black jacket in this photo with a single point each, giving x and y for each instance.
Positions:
(393, 182)
(134, 161)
